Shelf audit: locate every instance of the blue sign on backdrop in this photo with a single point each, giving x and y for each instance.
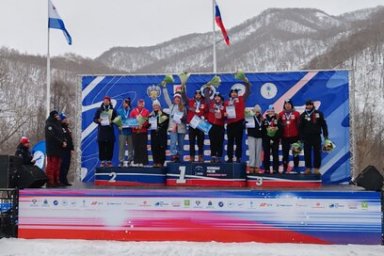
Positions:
(328, 89)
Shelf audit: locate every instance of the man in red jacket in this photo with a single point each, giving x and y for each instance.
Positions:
(289, 119)
(234, 111)
(139, 134)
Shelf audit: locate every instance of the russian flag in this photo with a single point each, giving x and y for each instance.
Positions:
(220, 24)
(55, 21)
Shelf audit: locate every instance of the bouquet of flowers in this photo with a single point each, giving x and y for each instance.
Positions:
(328, 146)
(163, 118)
(184, 78)
(215, 81)
(271, 131)
(117, 121)
(167, 80)
(141, 120)
(296, 148)
(241, 76)
(248, 112)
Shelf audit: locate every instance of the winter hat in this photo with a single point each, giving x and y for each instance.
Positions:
(309, 102)
(24, 140)
(271, 108)
(62, 116)
(156, 102)
(288, 101)
(177, 95)
(257, 108)
(53, 113)
(107, 98)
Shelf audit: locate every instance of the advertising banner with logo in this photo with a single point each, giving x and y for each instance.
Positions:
(201, 215)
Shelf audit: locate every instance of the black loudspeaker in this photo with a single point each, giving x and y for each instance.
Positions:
(30, 176)
(370, 179)
(8, 168)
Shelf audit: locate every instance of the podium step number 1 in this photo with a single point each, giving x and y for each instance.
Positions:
(181, 179)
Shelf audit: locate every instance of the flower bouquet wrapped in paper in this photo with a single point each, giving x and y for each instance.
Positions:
(240, 75)
(184, 76)
(271, 131)
(167, 80)
(183, 79)
(328, 146)
(296, 148)
(163, 118)
(248, 112)
(215, 81)
(141, 120)
(117, 121)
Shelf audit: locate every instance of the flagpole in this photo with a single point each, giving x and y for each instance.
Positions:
(48, 91)
(214, 36)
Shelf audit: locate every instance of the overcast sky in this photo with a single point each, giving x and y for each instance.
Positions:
(97, 25)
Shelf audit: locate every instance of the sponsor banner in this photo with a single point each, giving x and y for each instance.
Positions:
(175, 215)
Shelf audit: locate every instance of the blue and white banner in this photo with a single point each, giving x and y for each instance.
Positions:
(328, 89)
(39, 154)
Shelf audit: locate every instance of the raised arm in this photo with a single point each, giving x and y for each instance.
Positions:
(247, 90)
(184, 95)
(166, 97)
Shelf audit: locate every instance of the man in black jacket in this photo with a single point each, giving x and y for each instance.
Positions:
(23, 152)
(104, 117)
(67, 151)
(158, 134)
(312, 124)
(55, 143)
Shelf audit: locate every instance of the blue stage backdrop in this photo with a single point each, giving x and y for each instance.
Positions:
(328, 89)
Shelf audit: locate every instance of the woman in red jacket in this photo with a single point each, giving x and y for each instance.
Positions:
(234, 108)
(196, 107)
(216, 133)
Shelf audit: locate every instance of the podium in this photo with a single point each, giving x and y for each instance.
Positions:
(130, 176)
(206, 174)
(284, 180)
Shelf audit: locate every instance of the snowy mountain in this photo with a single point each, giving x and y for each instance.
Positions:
(275, 40)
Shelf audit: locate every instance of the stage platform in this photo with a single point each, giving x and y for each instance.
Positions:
(343, 214)
(187, 174)
(284, 180)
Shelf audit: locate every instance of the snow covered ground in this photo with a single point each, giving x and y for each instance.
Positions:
(39, 247)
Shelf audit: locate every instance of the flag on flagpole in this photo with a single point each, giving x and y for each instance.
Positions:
(55, 21)
(219, 23)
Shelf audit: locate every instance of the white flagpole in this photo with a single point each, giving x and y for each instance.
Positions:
(48, 71)
(214, 36)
